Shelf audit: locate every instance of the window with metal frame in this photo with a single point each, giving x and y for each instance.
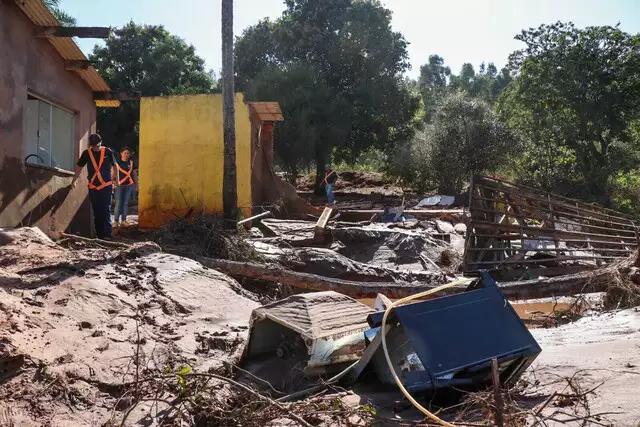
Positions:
(49, 135)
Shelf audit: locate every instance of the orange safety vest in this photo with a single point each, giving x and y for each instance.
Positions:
(327, 177)
(97, 174)
(127, 174)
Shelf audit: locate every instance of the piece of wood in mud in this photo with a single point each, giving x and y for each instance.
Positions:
(556, 286)
(321, 225)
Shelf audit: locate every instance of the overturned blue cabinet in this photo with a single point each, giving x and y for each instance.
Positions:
(449, 341)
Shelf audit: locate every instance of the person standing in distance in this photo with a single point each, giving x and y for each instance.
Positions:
(102, 174)
(329, 181)
(128, 184)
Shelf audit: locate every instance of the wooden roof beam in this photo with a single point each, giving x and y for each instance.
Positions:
(116, 96)
(80, 32)
(76, 64)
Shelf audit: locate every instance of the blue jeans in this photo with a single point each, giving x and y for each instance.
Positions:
(101, 205)
(123, 194)
(329, 189)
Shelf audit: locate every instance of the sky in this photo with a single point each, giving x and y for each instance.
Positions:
(461, 31)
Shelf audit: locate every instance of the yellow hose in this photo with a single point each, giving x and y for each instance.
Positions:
(386, 352)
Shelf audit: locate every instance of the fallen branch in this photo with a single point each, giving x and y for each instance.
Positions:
(96, 241)
(563, 285)
(277, 274)
(567, 285)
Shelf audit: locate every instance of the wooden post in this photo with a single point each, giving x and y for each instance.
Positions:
(497, 393)
(229, 181)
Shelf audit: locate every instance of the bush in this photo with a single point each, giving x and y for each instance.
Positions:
(465, 138)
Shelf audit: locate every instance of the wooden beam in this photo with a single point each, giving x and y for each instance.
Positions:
(255, 218)
(81, 64)
(321, 225)
(574, 284)
(116, 96)
(80, 32)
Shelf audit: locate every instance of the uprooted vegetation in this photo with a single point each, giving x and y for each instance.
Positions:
(205, 235)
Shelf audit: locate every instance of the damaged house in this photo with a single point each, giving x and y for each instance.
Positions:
(48, 99)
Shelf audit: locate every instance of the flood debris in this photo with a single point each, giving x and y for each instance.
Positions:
(518, 231)
(319, 332)
(449, 342)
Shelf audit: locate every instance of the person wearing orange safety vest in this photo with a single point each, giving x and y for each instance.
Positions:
(329, 181)
(128, 184)
(103, 176)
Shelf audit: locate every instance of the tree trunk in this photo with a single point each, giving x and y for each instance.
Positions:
(573, 284)
(321, 161)
(229, 180)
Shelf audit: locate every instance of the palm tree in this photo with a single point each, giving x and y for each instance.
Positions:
(62, 16)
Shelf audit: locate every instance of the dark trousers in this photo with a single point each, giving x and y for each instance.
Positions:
(101, 204)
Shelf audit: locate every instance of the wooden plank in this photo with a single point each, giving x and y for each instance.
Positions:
(505, 275)
(497, 393)
(537, 231)
(550, 239)
(547, 260)
(116, 96)
(563, 205)
(628, 251)
(255, 217)
(321, 225)
(559, 198)
(629, 224)
(80, 32)
(79, 64)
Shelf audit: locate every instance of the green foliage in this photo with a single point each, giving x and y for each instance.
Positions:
(625, 191)
(433, 84)
(65, 19)
(576, 91)
(370, 160)
(335, 67)
(436, 82)
(465, 138)
(149, 60)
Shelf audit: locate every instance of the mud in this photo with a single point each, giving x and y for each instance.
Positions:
(71, 323)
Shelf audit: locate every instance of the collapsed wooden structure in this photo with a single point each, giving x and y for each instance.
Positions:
(516, 231)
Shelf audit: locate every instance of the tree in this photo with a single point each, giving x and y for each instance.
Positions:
(62, 16)
(433, 84)
(149, 60)
(465, 138)
(437, 82)
(583, 86)
(347, 51)
(229, 182)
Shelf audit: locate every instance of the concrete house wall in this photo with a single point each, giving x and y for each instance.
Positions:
(36, 195)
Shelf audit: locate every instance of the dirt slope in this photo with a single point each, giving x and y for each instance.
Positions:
(68, 335)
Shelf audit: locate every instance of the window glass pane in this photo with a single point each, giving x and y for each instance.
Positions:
(31, 131)
(44, 134)
(62, 141)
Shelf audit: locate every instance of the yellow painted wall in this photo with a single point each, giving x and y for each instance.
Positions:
(181, 148)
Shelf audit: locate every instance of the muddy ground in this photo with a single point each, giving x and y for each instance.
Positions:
(79, 322)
